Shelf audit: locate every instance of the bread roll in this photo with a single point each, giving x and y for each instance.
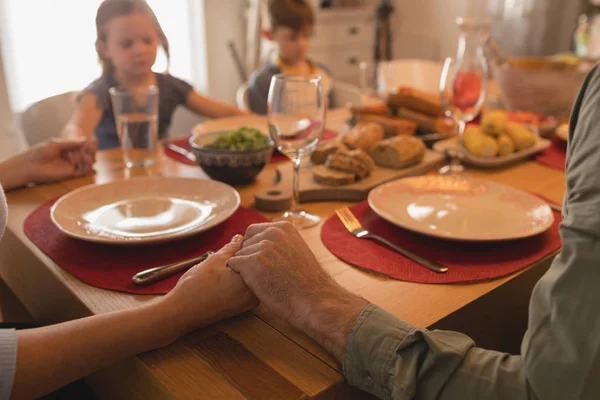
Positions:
(364, 136)
(329, 177)
(376, 108)
(427, 123)
(391, 126)
(356, 162)
(399, 152)
(319, 156)
(416, 100)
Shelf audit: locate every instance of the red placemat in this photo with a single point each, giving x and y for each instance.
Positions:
(111, 267)
(466, 262)
(328, 134)
(554, 156)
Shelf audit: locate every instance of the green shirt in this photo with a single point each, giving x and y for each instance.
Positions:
(561, 348)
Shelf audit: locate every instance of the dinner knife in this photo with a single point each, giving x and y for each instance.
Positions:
(155, 274)
(181, 151)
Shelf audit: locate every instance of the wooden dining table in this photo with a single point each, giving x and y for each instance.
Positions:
(255, 355)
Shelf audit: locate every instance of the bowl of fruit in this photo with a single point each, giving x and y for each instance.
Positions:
(496, 142)
(234, 157)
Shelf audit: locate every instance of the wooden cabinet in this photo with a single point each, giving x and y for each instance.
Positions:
(343, 37)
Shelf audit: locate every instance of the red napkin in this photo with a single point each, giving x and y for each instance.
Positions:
(111, 267)
(467, 262)
(328, 134)
(554, 156)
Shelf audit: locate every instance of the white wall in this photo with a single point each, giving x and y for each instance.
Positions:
(10, 141)
(426, 28)
(224, 21)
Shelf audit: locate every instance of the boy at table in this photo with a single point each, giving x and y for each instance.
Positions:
(291, 28)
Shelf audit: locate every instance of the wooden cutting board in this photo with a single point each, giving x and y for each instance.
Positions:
(279, 197)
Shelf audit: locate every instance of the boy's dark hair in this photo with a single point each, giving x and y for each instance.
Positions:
(294, 14)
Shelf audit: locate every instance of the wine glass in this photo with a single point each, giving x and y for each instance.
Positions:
(296, 121)
(463, 91)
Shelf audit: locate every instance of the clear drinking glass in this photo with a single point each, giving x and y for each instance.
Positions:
(136, 116)
(296, 122)
(463, 82)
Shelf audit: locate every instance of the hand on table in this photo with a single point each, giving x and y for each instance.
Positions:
(210, 292)
(49, 161)
(280, 269)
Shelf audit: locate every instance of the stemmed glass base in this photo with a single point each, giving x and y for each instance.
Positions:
(300, 219)
(455, 166)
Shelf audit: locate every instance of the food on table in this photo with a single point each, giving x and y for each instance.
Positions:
(427, 123)
(494, 122)
(352, 161)
(240, 140)
(478, 143)
(521, 136)
(391, 126)
(413, 99)
(524, 117)
(331, 177)
(379, 108)
(506, 145)
(324, 150)
(364, 136)
(399, 152)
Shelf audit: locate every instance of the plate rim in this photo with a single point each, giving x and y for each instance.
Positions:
(146, 241)
(455, 239)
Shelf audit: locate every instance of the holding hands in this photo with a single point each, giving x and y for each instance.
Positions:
(279, 267)
(50, 161)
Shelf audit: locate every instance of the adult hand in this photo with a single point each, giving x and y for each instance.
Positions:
(210, 292)
(279, 267)
(48, 162)
(59, 159)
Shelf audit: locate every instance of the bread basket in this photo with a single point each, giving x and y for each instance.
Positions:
(539, 84)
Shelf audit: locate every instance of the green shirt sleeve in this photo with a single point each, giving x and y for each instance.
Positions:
(561, 349)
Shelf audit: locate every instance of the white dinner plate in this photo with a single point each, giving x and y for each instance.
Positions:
(562, 132)
(460, 208)
(500, 161)
(144, 210)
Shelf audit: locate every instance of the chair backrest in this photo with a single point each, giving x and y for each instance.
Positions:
(47, 118)
(343, 94)
(241, 97)
(420, 74)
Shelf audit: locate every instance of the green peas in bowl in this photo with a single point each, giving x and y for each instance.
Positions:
(234, 157)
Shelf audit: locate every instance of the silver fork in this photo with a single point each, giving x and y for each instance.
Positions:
(355, 228)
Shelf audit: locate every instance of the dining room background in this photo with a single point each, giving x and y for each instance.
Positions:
(61, 56)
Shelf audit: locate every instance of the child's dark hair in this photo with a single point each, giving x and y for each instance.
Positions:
(110, 9)
(294, 14)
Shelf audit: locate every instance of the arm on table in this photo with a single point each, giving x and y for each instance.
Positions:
(86, 116)
(52, 356)
(392, 359)
(211, 108)
(50, 161)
